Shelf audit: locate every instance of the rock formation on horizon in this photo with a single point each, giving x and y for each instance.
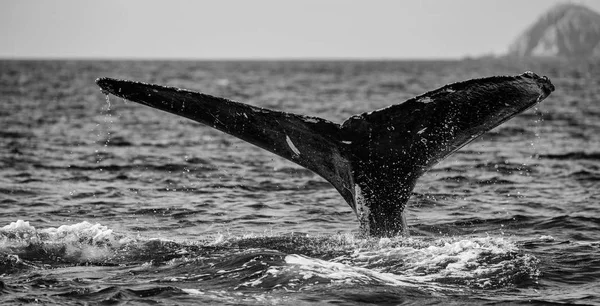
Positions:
(567, 30)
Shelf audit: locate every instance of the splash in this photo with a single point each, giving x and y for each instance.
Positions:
(476, 262)
(80, 242)
(436, 264)
(287, 262)
(18, 226)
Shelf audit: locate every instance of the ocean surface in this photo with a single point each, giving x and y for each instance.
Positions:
(111, 202)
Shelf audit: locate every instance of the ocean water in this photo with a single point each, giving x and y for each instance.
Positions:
(107, 201)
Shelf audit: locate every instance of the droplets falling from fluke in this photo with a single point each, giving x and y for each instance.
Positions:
(103, 130)
(108, 119)
(538, 124)
(107, 96)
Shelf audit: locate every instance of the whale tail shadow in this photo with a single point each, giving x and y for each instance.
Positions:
(372, 159)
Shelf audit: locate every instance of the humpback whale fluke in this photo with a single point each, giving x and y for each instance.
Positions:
(372, 159)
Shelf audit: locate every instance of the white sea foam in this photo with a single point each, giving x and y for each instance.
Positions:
(339, 272)
(20, 225)
(480, 262)
(430, 264)
(425, 263)
(82, 241)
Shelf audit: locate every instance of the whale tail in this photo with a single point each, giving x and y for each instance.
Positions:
(373, 159)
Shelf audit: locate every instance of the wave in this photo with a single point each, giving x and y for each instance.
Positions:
(578, 155)
(289, 262)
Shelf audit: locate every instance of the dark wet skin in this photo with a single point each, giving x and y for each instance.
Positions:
(374, 159)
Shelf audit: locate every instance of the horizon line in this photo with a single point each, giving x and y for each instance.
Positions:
(246, 59)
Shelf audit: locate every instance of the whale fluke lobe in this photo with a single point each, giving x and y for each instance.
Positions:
(310, 142)
(372, 159)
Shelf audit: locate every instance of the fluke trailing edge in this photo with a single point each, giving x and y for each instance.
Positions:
(373, 159)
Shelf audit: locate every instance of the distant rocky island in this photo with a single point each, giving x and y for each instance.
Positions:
(567, 31)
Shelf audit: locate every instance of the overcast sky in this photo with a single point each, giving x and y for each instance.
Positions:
(225, 29)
